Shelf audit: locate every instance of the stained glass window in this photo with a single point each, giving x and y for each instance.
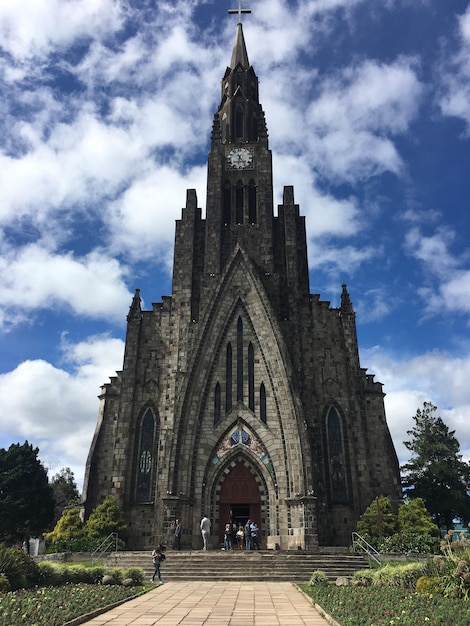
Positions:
(145, 457)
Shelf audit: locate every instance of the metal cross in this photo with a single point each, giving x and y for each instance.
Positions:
(239, 11)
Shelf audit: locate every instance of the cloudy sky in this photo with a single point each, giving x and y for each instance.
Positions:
(105, 115)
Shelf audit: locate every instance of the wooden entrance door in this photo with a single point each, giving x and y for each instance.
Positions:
(239, 499)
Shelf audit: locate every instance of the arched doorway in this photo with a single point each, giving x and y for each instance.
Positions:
(239, 499)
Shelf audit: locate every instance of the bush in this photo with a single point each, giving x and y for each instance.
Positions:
(4, 584)
(407, 543)
(116, 573)
(402, 575)
(429, 585)
(318, 578)
(136, 574)
(363, 578)
(50, 575)
(18, 567)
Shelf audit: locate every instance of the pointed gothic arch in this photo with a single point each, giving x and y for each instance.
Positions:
(145, 459)
(337, 464)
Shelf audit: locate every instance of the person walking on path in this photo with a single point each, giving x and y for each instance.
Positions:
(177, 542)
(205, 531)
(158, 557)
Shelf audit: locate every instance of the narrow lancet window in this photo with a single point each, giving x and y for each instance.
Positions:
(239, 203)
(227, 203)
(217, 404)
(145, 458)
(252, 217)
(239, 121)
(262, 403)
(337, 469)
(228, 379)
(240, 360)
(251, 377)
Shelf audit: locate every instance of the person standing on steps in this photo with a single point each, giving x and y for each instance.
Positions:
(177, 542)
(240, 537)
(158, 556)
(254, 535)
(205, 531)
(248, 542)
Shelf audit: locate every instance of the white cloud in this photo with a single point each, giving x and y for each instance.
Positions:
(49, 24)
(33, 278)
(357, 113)
(436, 377)
(447, 283)
(142, 220)
(53, 408)
(455, 75)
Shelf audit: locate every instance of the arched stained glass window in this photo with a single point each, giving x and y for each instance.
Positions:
(145, 459)
(240, 360)
(251, 377)
(217, 404)
(228, 379)
(336, 458)
(262, 403)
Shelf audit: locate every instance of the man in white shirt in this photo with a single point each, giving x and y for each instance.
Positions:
(205, 531)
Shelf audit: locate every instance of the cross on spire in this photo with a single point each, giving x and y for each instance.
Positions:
(239, 11)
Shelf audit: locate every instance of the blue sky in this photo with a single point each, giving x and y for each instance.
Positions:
(106, 113)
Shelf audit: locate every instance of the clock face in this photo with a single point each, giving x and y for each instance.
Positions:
(240, 158)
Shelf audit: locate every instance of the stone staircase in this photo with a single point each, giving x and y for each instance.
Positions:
(249, 566)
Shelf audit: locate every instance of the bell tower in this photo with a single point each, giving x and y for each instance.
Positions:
(239, 177)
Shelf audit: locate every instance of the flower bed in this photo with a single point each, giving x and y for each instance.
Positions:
(388, 606)
(53, 606)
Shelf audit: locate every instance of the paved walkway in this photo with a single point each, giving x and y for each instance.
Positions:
(216, 603)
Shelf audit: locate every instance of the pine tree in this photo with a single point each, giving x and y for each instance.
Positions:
(436, 472)
(105, 519)
(26, 500)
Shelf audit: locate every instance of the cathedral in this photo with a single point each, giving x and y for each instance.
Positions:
(241, 394)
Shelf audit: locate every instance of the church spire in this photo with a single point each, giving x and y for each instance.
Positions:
(239, 53)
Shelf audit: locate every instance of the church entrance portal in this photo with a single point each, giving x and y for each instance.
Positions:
(239, 499)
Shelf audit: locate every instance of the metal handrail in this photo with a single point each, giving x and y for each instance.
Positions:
(371, 552)
(111, 540)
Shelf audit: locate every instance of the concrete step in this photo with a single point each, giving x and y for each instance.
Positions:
(236, 565)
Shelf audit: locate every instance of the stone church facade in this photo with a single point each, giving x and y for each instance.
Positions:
(241, 395)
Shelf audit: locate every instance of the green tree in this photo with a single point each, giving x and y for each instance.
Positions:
(26, 499)
(69, 526)
(105, 519)
(378, 520)
(65, 491)
(436, 472)
(414, 518)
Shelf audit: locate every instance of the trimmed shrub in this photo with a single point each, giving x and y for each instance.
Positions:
(403, 575)
(19, 568)
(363, 578)
(429, 585)
(407, 543)
(318, 578)
(136, 574)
